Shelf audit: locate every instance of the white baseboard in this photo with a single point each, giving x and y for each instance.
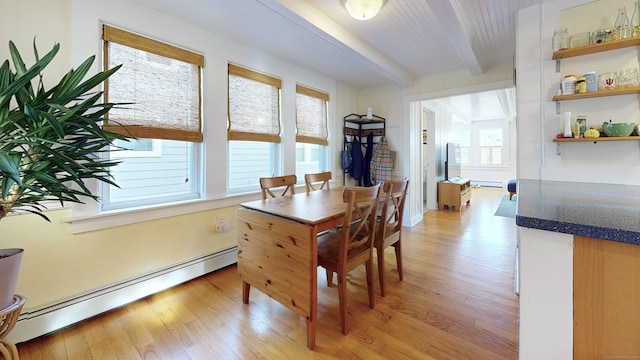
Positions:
(37, 322)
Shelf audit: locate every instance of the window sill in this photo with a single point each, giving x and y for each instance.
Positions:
(114, 218)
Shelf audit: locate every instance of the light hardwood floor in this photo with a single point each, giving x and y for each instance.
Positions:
(457, 302)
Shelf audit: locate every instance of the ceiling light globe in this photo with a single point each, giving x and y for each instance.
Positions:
(363, 9)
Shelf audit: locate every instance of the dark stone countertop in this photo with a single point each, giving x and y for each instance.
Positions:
(602, 211)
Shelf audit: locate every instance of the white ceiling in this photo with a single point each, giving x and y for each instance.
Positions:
(486, 105)
(407, 40)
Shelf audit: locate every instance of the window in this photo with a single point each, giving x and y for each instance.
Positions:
(481, 142)
(253, 127)
(311, 130)
(461, 134)
(491, 147)
(309, 159)
(161, 84)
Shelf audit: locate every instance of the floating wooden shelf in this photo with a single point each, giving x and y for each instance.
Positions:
(602, 93)
(595, 48)
(602, 138)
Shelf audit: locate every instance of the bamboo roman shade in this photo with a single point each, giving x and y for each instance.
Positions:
(254, 106)
(311, 116)
(161, 81)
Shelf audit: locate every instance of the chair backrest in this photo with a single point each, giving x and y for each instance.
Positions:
(358, 226)
(319, 179)
(287, 182)
(395, 193)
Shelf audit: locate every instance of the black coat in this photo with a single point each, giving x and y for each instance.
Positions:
(356, 159)
(366, 174)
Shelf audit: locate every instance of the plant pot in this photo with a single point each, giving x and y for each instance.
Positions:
(9, 268)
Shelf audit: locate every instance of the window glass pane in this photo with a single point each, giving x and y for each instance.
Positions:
(248, 162)
(135, 145)
(164, 173)
(300, 152)
(309, 159)
(316, 152)
(491, 137)
(490, 145)
(461, 134)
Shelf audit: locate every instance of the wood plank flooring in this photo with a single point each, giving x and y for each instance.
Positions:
(457, 302)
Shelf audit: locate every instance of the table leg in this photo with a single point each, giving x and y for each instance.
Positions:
(245, 292)
(313, 296)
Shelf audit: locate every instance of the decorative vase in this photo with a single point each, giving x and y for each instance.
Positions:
(10, 260)
(623, 25)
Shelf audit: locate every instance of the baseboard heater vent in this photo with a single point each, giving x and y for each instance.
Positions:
(485, 183)
(40, 321)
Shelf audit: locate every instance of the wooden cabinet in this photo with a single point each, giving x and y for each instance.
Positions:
(454, 193)
(606, 301)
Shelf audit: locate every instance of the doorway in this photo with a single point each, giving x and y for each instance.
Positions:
(486, 117)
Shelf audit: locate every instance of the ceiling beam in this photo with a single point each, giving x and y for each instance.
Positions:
(310, 19)
(451, 21)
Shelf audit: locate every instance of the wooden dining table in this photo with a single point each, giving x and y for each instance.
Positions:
(278, 248)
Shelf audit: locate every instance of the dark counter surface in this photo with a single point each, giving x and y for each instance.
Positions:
(603, 211)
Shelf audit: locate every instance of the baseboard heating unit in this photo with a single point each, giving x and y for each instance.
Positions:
(33, 323)
(485, 183)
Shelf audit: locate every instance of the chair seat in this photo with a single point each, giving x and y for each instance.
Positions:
(329, 246)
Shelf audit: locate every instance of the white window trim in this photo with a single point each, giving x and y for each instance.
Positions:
(114, 218)
(155, 152)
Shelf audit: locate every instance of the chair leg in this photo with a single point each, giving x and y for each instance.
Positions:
(245, 292)
(398, 248)
(380, 252)
(342, 296)
(329, 277)
(370, 285)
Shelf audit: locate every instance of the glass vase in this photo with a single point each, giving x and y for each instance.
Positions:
(623, 25)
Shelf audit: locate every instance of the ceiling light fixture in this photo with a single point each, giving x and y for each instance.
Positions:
(363, 9)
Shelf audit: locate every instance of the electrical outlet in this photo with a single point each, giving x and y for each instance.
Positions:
(222, 225)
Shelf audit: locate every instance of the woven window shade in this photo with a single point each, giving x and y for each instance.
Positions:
(161, 81)
(311, 116)
(254, 106)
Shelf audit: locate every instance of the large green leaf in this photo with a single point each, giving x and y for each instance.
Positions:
(51, 139)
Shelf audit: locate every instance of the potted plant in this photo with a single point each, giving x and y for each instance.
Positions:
(50, 143)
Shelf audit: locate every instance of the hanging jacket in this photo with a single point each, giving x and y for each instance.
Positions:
(381, 163)
(366, 174)
(356, 159)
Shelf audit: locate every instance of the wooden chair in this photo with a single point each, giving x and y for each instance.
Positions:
(319, 179)
(267, 184)
(352, 246)
(389, 226)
